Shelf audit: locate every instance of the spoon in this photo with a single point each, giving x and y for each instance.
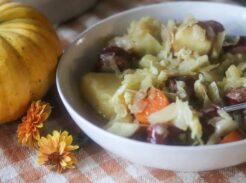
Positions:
(234, 107)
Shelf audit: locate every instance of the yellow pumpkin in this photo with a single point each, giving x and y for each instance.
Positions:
(29, 50)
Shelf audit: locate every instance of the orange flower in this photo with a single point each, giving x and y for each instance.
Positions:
(28, 131)
(55, 151)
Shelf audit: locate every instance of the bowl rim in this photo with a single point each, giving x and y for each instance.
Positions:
(69, 107)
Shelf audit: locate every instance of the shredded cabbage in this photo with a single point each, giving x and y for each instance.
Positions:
(181, 92)
(150, 62)
(122, 42)
(201, 91)
(180, 115)
(218, 44)
(187, 118)
(139, 79)
(193, 64)
(233, 79)
(208, 92)
(214, 93)
(223, 124)
(165, 51)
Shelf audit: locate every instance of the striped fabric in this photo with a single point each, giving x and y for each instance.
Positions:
(18, 164)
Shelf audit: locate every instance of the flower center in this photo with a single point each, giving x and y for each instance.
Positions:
(54, 158)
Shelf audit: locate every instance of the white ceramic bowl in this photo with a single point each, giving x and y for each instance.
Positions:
(80, 57)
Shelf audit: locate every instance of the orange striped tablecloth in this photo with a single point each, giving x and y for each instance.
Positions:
(18, 164)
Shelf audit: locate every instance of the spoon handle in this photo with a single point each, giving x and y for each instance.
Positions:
(235, 107)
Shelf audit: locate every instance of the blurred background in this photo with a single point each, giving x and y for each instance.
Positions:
(60, 11)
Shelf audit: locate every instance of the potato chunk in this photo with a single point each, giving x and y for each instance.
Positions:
(97, 89)
(145, 36)
(192, 37)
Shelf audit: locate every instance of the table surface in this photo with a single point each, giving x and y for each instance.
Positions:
(18, 164)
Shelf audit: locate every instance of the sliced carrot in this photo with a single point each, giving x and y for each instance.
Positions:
(155, 101)
(231, 137)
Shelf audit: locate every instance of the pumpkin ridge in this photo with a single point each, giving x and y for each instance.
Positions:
(25, 75)
(7, 6)
(23, 12)
(7, 112)
(3, 2)
(38, 44)
(45, 35)
(37, 67)
(30, 22)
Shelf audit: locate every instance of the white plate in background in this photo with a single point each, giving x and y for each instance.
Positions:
(60, 10)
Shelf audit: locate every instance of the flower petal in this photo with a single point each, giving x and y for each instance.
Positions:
(28, 131)
(55, 151)
(71, 147)
(62, 146)
(69, 140)
(67, 159)
(63, 163)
